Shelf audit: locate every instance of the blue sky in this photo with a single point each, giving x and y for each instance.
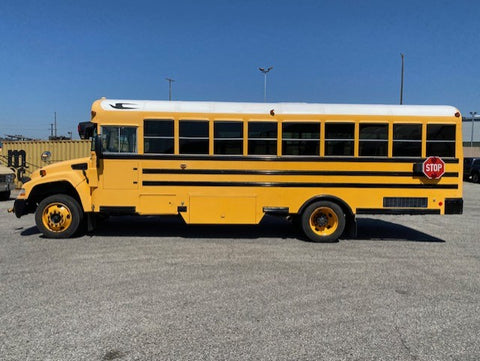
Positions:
(59, 56)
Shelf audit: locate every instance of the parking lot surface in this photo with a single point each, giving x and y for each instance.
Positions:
(407, 288)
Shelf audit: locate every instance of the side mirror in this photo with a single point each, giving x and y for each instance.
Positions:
(86, 130)
(97, 146)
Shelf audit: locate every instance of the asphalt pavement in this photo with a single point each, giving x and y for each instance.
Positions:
(407, 288)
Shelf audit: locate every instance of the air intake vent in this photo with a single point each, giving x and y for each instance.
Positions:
(405, 202)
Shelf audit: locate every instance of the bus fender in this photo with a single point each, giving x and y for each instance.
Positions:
(72, 185)
(83, 190)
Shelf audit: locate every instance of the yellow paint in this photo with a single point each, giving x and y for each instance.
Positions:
(240, 197)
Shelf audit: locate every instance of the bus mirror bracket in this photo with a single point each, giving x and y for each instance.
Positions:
(97, 146)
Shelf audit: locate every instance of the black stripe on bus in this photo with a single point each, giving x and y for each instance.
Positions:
(297, 185)
(284, 172)
(228, 158)
(411, 211)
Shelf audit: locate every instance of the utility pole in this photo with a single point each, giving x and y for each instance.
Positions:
(473, 122)
(55, 122)
(265, 71)
(401, 81)
(170, 81)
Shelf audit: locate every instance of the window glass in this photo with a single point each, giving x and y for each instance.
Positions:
(440, 132)
(373, 140)
(262, 138)
(158, 145)
(373, 131)
(300, 138)
(407, 132)
(232, 130)
(159, 128)
(441, 140)
(339, 139)
(158, 136)
(262, 130)
(339, 131)
(194, 128)
(407, 149)
(301, 131)
(407, 140)
(116, 139)
(228, 137)
(193, 137)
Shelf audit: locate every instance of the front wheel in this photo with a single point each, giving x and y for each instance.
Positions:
(323, 221)
(58, 216)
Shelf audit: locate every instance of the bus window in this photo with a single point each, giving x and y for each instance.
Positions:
(339, 138)
(119, 139)
(300, 138)
(373, 139)
(407, 140)
(441, 140)
(193, 137)
(158, 136)
(228, 137)
(262, 138)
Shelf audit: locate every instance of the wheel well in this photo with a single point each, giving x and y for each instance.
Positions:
(351, 224)
(42, 191)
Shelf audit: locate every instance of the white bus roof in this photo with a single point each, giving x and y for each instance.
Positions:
(278, 108)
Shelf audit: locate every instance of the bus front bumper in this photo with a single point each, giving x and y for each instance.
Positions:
(21, 207)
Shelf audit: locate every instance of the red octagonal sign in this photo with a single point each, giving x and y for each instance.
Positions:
(434, 167)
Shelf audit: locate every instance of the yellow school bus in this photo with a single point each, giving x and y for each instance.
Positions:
(233, 163)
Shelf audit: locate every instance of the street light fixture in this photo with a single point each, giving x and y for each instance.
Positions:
(265, 71)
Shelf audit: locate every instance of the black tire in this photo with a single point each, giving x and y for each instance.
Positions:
(475, 178)
(4, 196)
(58, 216)
(323, 221)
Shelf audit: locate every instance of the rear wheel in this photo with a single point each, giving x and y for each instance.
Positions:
(58, 216)
(323, 221)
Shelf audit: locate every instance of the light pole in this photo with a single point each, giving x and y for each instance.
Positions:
(265, 71)
(170, 81)
(473, 122)
(401, 80)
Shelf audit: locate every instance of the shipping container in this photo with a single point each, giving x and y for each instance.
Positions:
(27, 156)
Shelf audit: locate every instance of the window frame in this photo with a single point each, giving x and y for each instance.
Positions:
(103, 127)
(349, 140)
(301, 140)
(396, 141)
(451, 142)
(252, 140)
(198, 138)
(145, 136)
(221, 140)
(384, 141)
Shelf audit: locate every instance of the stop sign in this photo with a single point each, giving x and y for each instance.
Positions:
(434, 167)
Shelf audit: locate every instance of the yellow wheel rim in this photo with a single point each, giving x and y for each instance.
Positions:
(57, 217)
(323, 221)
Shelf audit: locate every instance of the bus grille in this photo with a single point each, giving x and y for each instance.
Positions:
(405, 202)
